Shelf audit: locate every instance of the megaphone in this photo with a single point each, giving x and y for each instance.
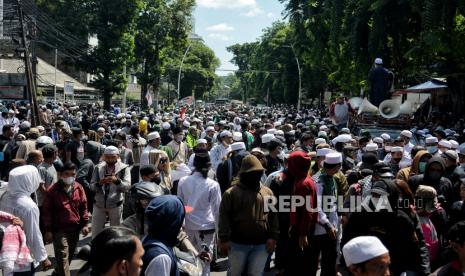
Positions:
(389, 109)
(355, 102)
(406, 108)
(367, 107)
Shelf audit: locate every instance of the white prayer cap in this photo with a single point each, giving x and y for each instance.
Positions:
(371, 147)
(345, 130)
(210, 128)
(280, 133)
(406, 133)
(322, 133)
(431, 140)
(237, 137)
(44, 140)
(396, 149)
(210, 123)
(378, 140)
(267, 138)
(100, 129)
(166, 125)
(153, 135)
(186, 124)
(333, 158)
(322, 152)
(319, 141)
(254, 121)
(238, 146)
(323, 128)
(277, 124)
(361, 249)
(385, 136)
(343, 138)
(271, 131)
(445, 143)
(225, 133)
(379, 61)
(454, 144)
(201, 141)
(100, 117)
(111, 150)
(119, 116)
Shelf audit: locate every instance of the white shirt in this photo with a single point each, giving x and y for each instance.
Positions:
(217, 154)
(159, 266)
(204, 196)
(144, 157)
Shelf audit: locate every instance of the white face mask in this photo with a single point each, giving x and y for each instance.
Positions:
(69, 180)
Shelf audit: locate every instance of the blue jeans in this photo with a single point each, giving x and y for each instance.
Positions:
(254, 256)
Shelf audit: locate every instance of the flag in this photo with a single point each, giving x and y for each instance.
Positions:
(182, 114)
(186, 101)
(149, 98)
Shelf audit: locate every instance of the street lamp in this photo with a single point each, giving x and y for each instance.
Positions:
(192, 37)
(300, 74)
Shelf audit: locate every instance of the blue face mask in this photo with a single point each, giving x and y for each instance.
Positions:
(432, 149)
(422, 167)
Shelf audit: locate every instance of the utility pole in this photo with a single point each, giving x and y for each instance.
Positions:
(30, 88)
(55, 86)
(1, 30)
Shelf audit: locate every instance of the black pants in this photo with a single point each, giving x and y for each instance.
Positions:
(297, 262)
(328, 248)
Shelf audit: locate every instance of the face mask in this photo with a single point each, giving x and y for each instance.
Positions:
(397, 160)
(422, 167)
(432, 149)
(69, 180)
(435, 175)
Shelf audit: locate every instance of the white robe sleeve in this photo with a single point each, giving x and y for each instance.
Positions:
(159, 266)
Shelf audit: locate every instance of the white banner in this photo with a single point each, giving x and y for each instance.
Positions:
(68, 88)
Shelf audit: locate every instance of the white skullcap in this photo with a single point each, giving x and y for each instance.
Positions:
(210, 128)
(119, 116)
(378, 140)
(454, 144)
(343, 138)
(153, 135)
(319, 141)
(40, 128)
(267, 138)
(406, 133)
(166, 125)
(323, 127)
(371, 147)
(237, 146)
(361, 249)
(271, 131)
(100, 117)
(202, 141)
(431, 140)
(385, 136)
(280, 133)
(322, 152)
(445, 143)
(322, 133)
(101, 129)
(225, 133)
(237, 137)
(44, 140)
(378, 61)
(397, 149)
(277, 124)
(210, 123)
(254, 121)
(111, 150)
(345, 130)
(186, 124)
(333, 158)
(258, 150)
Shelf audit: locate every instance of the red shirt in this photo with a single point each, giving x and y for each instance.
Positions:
(62, 212)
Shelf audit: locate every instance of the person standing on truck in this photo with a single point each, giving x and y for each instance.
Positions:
(381, 80)
(339, 111)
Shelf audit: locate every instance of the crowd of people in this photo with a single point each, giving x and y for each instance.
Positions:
(225, 181)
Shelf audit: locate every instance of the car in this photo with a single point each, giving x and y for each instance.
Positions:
(394, 133)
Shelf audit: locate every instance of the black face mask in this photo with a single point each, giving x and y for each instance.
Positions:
(252, 179)
(397, 160)
(435, 175)
(156, 180)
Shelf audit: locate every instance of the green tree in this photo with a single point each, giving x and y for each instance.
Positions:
(114, 26)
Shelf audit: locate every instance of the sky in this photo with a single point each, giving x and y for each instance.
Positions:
(222, 23)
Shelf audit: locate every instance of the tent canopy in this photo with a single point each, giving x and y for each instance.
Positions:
(426, 87)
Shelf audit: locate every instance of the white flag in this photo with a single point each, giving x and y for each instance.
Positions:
(149, 98)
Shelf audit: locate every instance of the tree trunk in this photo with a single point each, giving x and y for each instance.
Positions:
(106, 99)
(144, 88)
(456, 85)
